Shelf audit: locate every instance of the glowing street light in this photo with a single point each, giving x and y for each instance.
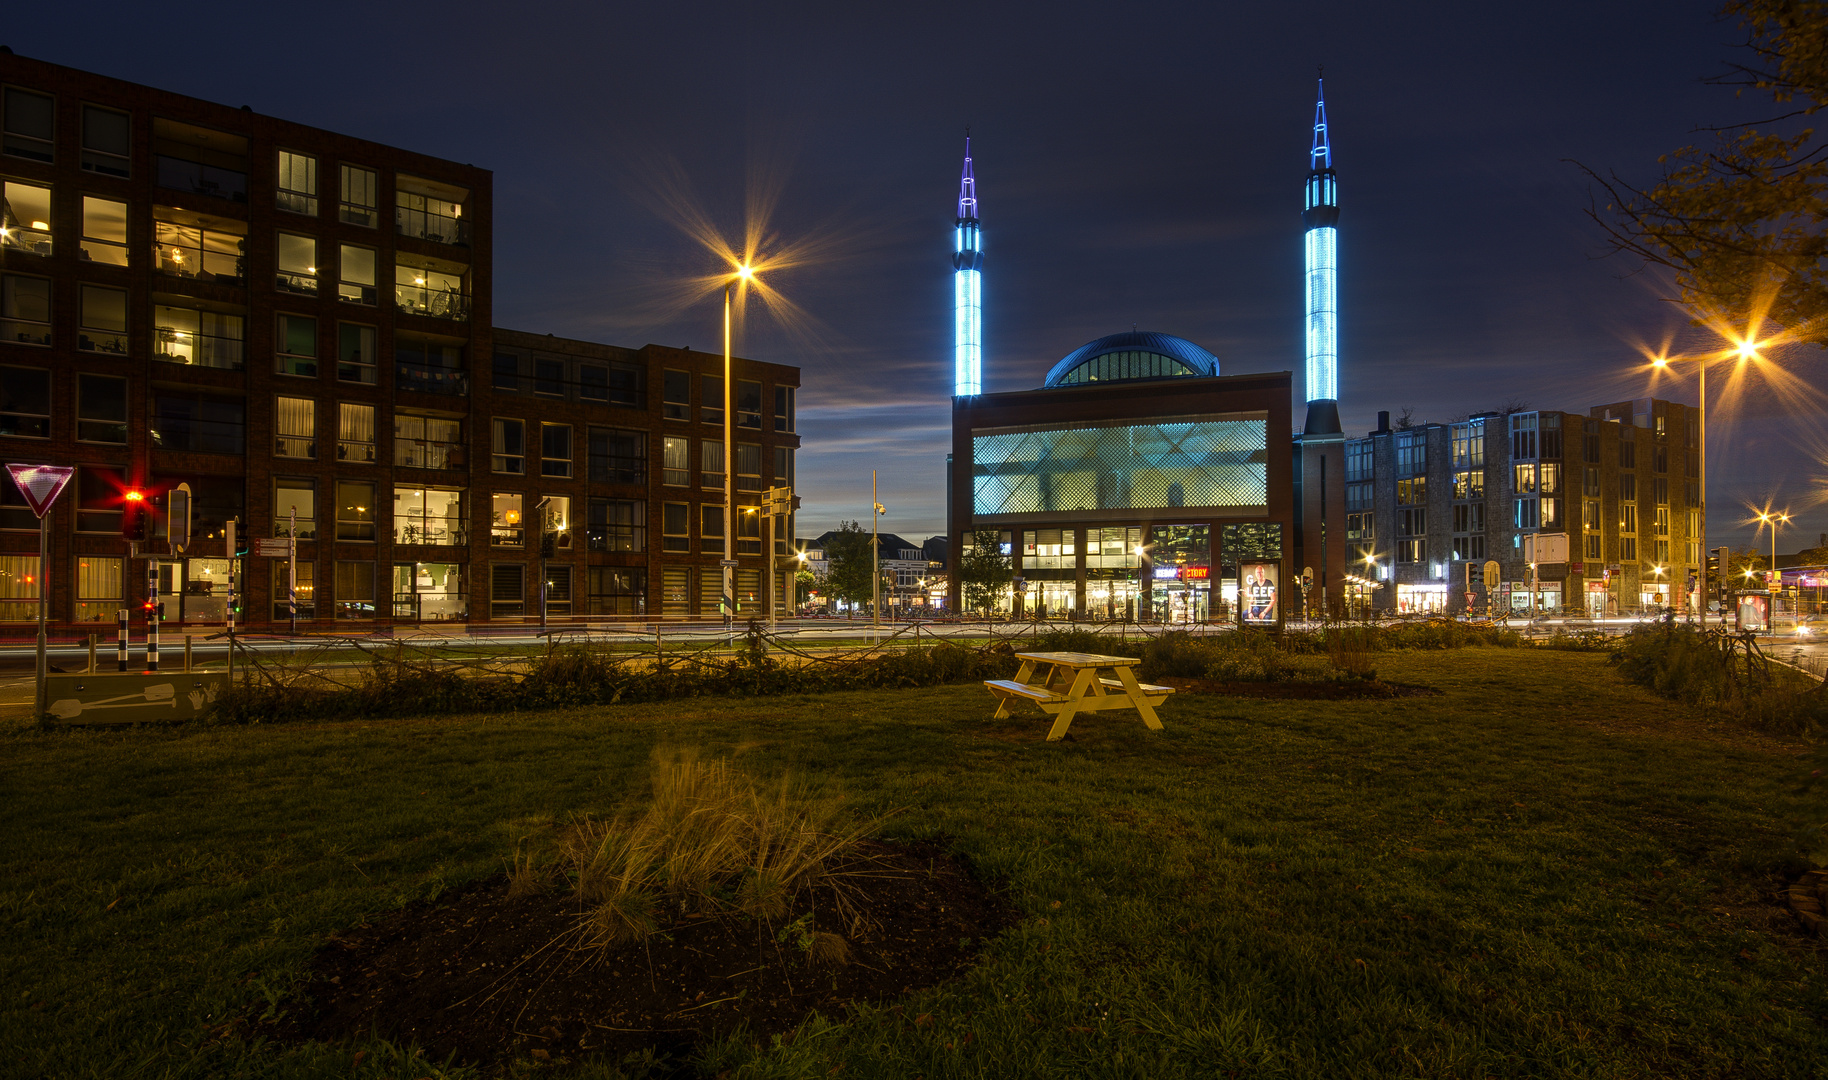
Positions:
(1774, 518)
(743, 274)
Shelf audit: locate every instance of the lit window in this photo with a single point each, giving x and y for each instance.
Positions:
(295, 428)
(297, 183)
(356, 273)
(297, 264)
(25, 218)
(104, 231)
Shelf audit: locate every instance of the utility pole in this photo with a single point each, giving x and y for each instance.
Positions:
(875, 558)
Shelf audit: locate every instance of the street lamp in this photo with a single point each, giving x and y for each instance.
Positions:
(875, 554)
(1774, 518)
(743, 274)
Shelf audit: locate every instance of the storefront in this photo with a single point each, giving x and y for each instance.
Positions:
(1421, 598)
(1599, 600)
(1181, 594)
(1112, 598)
(429, 592)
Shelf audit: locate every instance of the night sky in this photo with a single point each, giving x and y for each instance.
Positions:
(1137, 164)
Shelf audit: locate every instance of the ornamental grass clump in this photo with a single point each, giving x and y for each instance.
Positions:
(710, 840)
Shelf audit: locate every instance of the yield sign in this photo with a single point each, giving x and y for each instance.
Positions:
(41, 484)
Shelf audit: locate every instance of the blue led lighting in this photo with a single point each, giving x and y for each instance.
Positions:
(968, 332)
(1323, 314)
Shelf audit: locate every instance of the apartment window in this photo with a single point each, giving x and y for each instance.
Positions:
(1528, 514)
(214, 502)
(429, 515)
(507, 527)
(296, 346)
(1591, 519)
(1659, 489)
(617, 525)
(676, 462)
(748, 467)
(1590, 482)
(1410, 551)
(748, 404)
(199, 423)
(1628, 453)
(297, 183)
(508, 447)
(1694, 526)
(437, 294)
(355, 353)
(27, 124)
(1468, 548)
(305, 594)
(98, 588)
(1628, 549)
(1660, 548)
(1412, 521)
(1593, 547)
(355, 433)
(101, 409)
(783, 466)
(710, 525)
(295, 429)
(676, 401)
(1523, 435)
(428, 367)
(783, 408)
(25, 402)
(1358, 496)
(25, 218)
(1659, 455)
(555, 520)
(748, 530)
(430, 591)
(428, 442)
(1469, 484)
(355, 590)
(507, 590)
(1412, 492)
(1551, 514)
(198, 338)
(25, 310)
(505, 374)
(617, 591)
(427, 211)
(1661, 524)
(209, 249)
(355, 510)
(1526, 479)
(711, 399)
(1628, 487)
(356, 275)
(1359, 460)
(1628, 517)
(593, 382)
(676, 591)
(104, 231)
(297, 264)
(98, 500)
(558, 590)
(676, 527)
(1469, 518)
(107, 140)
(1411, 453)
(18, 588)
(1469, 445)
(295, 500)
(1550, 431)
(1590, 441)
(361, 201)
(628, 384)
(555, 449)
(617, 456)
(104, 320)
(549, 378)
(711, 464)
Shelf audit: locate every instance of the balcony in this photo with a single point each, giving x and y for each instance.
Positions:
(426, 454)
(196, 350)
(434, 303)
(295, 446)
(427, 379)
(429, 225)
(201, 179)
(423, 531)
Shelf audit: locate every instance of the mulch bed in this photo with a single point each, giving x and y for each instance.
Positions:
(491, 978)
(1340, 690)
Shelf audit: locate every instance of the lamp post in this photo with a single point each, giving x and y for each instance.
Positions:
(1774, 518)
(743, 273)
(875, 558)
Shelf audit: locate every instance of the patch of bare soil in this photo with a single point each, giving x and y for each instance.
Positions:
(491, 977)
(1340, 690)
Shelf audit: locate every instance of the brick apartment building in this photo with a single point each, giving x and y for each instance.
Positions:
(1623, 481)
(297, 324)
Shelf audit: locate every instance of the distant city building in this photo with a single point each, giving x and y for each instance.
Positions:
(297, 323)
(1425, 502)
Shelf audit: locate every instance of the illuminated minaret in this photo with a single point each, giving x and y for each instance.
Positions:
(967, 289)
(1321, 217)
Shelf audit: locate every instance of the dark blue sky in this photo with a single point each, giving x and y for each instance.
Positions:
(1137, 164)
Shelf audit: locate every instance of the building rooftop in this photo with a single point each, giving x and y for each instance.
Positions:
(1132, 356)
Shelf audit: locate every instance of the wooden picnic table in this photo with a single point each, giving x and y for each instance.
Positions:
(1070, 684)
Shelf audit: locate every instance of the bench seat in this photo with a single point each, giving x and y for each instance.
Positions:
(1148, 688)
(1015, 689)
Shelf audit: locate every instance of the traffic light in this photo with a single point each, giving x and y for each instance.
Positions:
(547, 545)
(133, 515)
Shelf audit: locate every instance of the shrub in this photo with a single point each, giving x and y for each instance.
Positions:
(1724, 671)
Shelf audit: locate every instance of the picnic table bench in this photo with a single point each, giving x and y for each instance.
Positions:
(1070, 684)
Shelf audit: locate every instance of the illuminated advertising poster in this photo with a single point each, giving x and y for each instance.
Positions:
(1755, 612)
(1259, 593)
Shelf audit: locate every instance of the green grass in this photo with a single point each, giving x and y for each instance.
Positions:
(1542, 872)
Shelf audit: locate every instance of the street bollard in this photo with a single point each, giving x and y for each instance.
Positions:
(187, 653)
(120, 623)
(92, 640)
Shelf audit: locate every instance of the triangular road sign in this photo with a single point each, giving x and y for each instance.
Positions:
(41, 484)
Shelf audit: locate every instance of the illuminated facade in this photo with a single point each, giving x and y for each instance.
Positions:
(967, 289)
(1321, 217)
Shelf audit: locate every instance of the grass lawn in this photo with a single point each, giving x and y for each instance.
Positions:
(1541, 872)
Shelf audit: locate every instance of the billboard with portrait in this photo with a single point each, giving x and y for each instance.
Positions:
(1259, 593)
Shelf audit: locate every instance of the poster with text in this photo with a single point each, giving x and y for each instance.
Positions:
(1258, 593)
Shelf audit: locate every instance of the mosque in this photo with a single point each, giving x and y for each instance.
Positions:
(1138, 481)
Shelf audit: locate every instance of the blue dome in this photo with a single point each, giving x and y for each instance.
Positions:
(1139, 354)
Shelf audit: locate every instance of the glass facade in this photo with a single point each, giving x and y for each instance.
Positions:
(1206, 463)
(1127, 364)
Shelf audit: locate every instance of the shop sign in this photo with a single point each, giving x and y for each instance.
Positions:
(1167, 573)
(1196, 573)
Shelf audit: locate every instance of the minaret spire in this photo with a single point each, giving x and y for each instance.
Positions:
(967, 287)
(1321, 216)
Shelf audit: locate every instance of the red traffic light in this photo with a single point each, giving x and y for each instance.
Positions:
(134, 495)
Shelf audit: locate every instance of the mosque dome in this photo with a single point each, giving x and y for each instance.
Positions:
(1132, 356)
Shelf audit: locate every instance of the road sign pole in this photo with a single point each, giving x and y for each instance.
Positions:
(292, 573)
(152, 612)
(44, 598)
(231, 600)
